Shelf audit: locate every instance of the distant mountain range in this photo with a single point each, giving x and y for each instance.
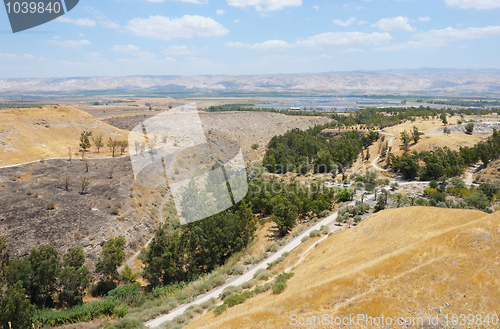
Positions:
(435, 81)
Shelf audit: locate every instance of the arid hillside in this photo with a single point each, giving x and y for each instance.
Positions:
(246, 128)
(47, 132)
(410, 262)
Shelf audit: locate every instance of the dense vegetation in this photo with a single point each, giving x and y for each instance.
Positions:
(197, 248)
(443, 162)
(298, 150)
(31, 286)
(178, 255)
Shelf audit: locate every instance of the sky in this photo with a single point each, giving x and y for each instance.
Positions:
(241, 37)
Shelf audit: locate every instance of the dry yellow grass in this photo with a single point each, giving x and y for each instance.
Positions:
(431, 140)
(398, 263)
(47, 132)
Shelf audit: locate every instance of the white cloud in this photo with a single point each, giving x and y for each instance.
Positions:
(77, 21)
(266, 45)
(399, 23)
(221, 12)
(424, 19)
(133, 51)
(164, 28)
(476, 4)
(70, 43)
(265, 5)
(345, 23)
(441, 38)
(346, 39)
(316, 8)
(102, 19)
(179, 50)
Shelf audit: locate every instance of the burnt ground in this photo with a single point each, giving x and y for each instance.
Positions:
(111, 207)
(246, 128)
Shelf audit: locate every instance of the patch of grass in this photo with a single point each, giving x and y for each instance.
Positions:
(279, 283)
(50, 205)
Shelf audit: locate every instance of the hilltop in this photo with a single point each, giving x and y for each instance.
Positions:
(439, 81)
(47, 132)
(408, 262)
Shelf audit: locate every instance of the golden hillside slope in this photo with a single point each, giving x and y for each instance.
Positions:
(410, 262)
(47, 132)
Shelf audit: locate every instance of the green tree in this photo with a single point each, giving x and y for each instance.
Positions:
(161, 258)
(45, 265)
(415, 135)
(84, 140)
(469, 128)
(443, 118)
(4, 260)
(284, 215)
(15, 309)
(381, 202)
(478, 200)
(74, 277)
(405, 138)
(111, 257)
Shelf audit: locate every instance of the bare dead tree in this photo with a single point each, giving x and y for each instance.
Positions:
(111, 169)
(70, 156)
(85, 182)
(86, 165)
(66, 180)
(113, 145)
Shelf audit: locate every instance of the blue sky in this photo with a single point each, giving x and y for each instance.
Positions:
(192, 37)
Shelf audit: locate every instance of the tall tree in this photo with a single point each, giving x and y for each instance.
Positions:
(405, 138)
(74, 277)
(84, 140)
(45, 265)
(111, 257)
(15, 310)
(415, 135)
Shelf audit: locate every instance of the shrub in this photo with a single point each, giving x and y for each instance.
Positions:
(238, 299)
(272, 248)
(255, 146)
(208, 303)
(250, 260)
(236, 270)
(101, 288)
(219, 309)
(249, 284)
(324, 213)
(304, 239)
(81, 313)
(324, 229)
(315, 233)
(262, 274)
(228, 291)
(280, 282)
(50, 205)
(129, 294)
(125, 324)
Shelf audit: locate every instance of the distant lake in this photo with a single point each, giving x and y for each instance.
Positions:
(326, 103)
